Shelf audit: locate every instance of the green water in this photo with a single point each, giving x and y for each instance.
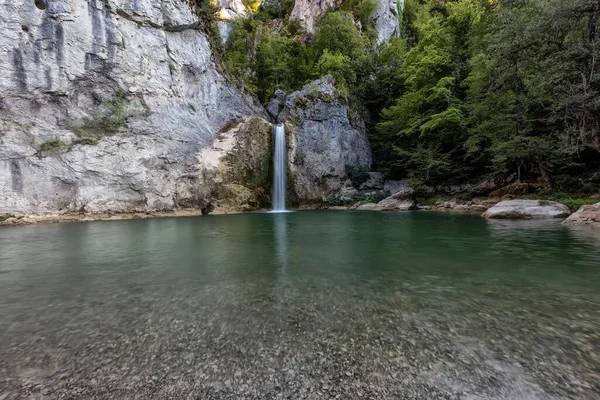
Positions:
(301, 305)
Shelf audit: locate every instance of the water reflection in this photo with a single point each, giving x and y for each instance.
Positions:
(287, 304)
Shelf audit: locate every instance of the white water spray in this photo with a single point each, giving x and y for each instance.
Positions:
(279, 170)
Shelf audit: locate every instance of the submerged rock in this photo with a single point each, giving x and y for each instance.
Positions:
(586, 215)
(524, 209)
(325, 136)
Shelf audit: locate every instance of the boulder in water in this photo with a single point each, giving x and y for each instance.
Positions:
(586, 215)
(526, 209)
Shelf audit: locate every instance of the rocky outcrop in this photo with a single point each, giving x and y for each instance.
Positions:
(387, 19)
(586, 215)
(234, 169)
(386, 16)
(525, 209)
(325, 136)
(393, 204)
(374, 182)
(108, 105)
(308, 12)
(228, 11)
(402, 199)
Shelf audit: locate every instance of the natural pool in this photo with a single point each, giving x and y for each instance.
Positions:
(305, 305)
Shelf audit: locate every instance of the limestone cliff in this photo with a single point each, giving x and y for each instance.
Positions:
(228, 11)
(105, 105)
(385, 17)
(325, 136)
(119, 106)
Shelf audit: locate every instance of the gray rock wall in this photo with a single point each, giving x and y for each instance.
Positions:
(106, 104)
(309, 11)
(228, 11)
(385, 17)
(324, 136)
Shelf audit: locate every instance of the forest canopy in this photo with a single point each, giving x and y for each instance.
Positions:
(471, 88)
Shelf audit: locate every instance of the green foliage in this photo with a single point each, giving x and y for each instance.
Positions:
(252, 5)
(337, 33)
(207, 11)
(358, 174)
(338, 66)
(490, 87)
(470, 88)
(270, 10)
(115, 117)
(4, 217)
(262, 59)
(425, 129)
(53, 145)
(362, 10)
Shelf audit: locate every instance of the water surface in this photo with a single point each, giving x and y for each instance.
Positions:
(305, 305)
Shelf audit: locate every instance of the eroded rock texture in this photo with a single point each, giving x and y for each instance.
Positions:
(106, 105)
(527, 209)
(325, 135)
(385, 17)
(586, 215)
(309, 11)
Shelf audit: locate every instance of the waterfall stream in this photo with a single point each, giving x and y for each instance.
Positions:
(279, 170)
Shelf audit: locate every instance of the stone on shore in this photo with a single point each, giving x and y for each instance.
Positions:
(586, 215)
(527, 209)
(368, 207)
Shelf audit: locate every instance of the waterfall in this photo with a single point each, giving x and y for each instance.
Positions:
(279, 170)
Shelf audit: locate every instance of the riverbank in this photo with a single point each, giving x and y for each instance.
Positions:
(440, 203)
(86, 217)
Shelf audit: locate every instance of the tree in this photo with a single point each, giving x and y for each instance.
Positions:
(426, 128)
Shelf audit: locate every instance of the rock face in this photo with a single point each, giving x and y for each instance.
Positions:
(234, 169)
(523, 209)
(387, 19)
(110, 106)
(586, 215)
(375, 182)
(402, 199)
(309, 11)
(228, 11)
(386, 16)
(324, 136)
